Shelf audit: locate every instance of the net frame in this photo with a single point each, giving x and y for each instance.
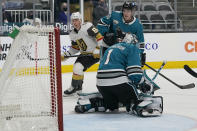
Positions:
(54, 68)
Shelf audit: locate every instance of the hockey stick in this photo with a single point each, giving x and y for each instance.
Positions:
(192, 85)
(35, 59)
(190, 71)
(161, 67)
(80, 55)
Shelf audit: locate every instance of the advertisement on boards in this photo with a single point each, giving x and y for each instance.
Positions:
(158, 47)
(171, 46)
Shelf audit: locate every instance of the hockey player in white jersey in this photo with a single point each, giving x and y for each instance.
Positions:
(120, 79)
(85, 39)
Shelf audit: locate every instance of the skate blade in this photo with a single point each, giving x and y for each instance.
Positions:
(72, 95)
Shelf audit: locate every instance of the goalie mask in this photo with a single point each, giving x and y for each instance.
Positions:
(130, 38)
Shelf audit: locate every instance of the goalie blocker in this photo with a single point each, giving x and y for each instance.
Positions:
(148, 106)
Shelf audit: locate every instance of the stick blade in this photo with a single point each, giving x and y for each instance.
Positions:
(190, 71)
(189, 86)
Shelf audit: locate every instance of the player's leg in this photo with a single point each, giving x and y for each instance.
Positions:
(126, 94)
(110, 99)
(77, 79)
(94, 102)
(90, 102)
(81, 64)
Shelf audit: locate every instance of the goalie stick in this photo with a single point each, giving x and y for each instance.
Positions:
(192, 85)
(190, 71)
(161, 67)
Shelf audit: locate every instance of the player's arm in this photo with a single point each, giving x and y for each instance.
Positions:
(134, 70)
(141, 44)
(93, 32)
(140, 37)
(73, 50)
(104, 24)
(136, 74)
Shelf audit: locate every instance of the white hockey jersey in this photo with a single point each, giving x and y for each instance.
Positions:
(84, 40)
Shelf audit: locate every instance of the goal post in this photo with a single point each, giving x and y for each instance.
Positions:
(30, 82)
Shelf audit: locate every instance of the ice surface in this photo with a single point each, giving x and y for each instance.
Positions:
(126, 122)
(180, 107)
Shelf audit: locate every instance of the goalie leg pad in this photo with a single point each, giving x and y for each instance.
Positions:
(91, 102)
(149, 107)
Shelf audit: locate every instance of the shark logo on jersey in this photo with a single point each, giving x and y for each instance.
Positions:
(115, 22)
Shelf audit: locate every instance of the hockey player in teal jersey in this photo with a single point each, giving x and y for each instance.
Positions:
(120, 79)
(124, 20)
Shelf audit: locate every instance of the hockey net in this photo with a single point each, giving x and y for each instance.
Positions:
(30, 82)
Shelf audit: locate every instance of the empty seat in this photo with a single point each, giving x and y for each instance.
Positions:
(148, 6)
(144, 20)
(163, 6)
(169, 17)
(160, 0)
(146, 1)
(118, 8)
(157, 20)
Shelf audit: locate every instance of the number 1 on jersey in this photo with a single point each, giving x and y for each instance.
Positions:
(108, 56)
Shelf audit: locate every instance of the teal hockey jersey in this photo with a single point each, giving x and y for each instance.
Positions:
(120, 64)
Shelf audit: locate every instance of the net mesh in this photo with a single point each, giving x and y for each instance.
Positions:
(28, 88)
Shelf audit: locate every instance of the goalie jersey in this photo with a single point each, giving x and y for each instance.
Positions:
(120, 64)
(84, 40)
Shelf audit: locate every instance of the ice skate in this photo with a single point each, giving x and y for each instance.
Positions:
(72, 91)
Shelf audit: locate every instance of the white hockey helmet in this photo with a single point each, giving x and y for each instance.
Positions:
(130, 38)
(76, 15)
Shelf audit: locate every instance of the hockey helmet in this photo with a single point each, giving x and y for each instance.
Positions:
(76, 15)
(130, 38)
(129, 5)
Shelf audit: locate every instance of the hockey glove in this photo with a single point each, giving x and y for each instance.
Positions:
(146, 86)
(109, 39)
(96, 52)
(120, 34)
